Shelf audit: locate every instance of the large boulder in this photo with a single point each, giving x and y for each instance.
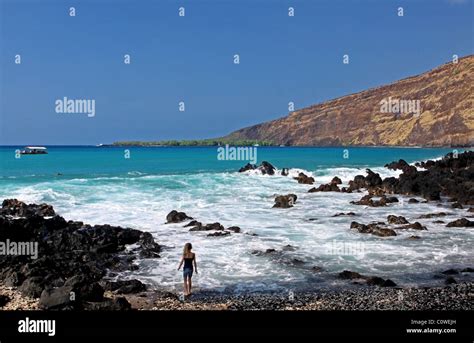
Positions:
(72, 257)
(62, 298)
(373, 229)
(285, 201)
(266, 168)
(16, 208)
(176, 217)
(125, 286)
(304, 179)
(392, 219)
(330, 187)
(463, 222)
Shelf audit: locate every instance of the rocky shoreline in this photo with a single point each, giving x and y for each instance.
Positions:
(457, 297)
(454, 297)
(68, 265)
(65, 264)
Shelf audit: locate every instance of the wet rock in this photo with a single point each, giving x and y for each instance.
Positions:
(471, 209)
(344, 214)
(373, 229)
(463, 222)
(414, 237)
(450, 280)
(368, 201)
(467, 270)
(439, 222)
(176, 217)
(285, 201)
(378, 281)
(372, 179)
(148, 247)
(266, 168)
(336, 181)
(382, 232)
(234, 229)
(376, 191)
(389, 283)
(451, 176)
(357, 183)
(412, 226)
(247, 167)
(72, 256)
(349, 275)
(450, 272)
(369, 280)
(208, 227)
(433, 215)
(304, 179)
(193, 223)
(400, 165)
(219, 234)
(269, 251)
(296, 262)
(317, 269)
(289, 247)
(285, 172)
(325, 188)
(396, 219)
(456, 205)
(16, 208)
(413, 201)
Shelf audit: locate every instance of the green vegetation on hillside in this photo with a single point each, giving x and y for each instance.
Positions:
(194, 142)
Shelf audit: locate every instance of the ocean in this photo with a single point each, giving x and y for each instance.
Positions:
(137, 187)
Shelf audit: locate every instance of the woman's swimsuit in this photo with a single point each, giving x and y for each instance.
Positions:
(188, 267)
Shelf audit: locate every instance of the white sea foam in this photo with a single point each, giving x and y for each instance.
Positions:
(245, 200)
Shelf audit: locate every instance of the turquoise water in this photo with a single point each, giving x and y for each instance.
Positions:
(111, 161)
(98, 185)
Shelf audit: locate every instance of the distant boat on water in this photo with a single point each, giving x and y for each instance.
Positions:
(34, 150)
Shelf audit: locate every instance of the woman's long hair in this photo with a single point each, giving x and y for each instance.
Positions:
(187, 249)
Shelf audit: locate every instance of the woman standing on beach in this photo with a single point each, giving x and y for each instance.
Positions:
(189, 260)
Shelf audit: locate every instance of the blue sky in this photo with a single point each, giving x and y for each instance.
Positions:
(190, 59)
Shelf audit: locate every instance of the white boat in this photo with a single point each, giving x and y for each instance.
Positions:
(34, 150)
